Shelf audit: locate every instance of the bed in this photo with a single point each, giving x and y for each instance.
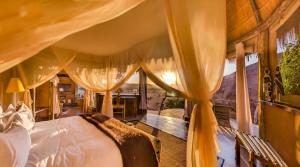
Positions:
(71, 142)
(79, 141)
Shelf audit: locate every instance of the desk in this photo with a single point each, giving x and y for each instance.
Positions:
(131, 101)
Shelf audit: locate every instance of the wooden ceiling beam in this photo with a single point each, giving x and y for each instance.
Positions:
(255, 11)
(277, 15)
(248, 50)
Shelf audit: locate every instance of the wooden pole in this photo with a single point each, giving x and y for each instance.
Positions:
(263, 63)
(243, 112)
(143, 91)
(51, 109)
(34, 102)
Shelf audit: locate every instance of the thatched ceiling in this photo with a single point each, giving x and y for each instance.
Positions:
(245, 15)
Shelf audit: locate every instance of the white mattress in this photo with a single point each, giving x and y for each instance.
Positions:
(71, 142)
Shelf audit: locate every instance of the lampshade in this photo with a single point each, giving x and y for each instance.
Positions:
(15, 85)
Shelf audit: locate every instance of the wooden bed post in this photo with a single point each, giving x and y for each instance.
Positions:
(34, 102)
(50, 102)
(142, 91)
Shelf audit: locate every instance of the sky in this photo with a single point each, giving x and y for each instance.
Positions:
(230, 66)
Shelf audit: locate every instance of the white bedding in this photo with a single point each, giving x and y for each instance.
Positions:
(71, 142)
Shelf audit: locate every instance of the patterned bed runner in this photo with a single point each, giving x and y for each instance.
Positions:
(135, 147)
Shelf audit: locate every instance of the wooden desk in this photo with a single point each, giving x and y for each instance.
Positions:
(131, 102)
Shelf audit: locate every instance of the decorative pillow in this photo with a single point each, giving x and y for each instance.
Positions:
(10, 108)
(25, 117)
(15, 147)
(6, 120)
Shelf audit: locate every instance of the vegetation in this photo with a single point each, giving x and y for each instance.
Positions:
(174, 102)
(290, 69)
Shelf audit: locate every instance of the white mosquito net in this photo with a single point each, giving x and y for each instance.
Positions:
(180, 44)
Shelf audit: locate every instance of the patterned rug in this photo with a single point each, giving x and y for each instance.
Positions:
(173, 150)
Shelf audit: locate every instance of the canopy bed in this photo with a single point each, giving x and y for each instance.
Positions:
(86, 140)
(156, 46)
(101, 43)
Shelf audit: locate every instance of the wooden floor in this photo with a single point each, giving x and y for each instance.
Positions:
(173, 113)
(174, 126)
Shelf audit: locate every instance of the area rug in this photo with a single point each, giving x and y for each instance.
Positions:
(173, 149)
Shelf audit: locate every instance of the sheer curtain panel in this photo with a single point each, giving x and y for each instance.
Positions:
(27, 27)
(98, 73)
(243, 112)
(197, 30)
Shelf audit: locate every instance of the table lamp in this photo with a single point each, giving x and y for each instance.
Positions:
(15, 86)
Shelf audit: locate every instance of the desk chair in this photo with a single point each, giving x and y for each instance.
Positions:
(120, 106)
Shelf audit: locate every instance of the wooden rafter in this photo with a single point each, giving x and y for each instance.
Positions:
(277, 15)
(255, 11)
(248, 50)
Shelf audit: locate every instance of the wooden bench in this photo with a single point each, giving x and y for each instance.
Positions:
(226, 131)
(257, 149)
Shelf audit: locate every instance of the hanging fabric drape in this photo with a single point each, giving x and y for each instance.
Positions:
(159, 65)
(199, 56)
(191, 74)
(86, 100)
(30, 26)
(41, 68)
(93, 99)
(243, 112)
(55, 101)
(105, 73)
(192, 66)
(157, 77)
(98, 73)
(107, 108)
(164, 68)
(27, 99)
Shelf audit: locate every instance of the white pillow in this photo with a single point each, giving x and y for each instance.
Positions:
(10, 108)
(15, 147)
(25, 117)
(7, 119)
(22, 117)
